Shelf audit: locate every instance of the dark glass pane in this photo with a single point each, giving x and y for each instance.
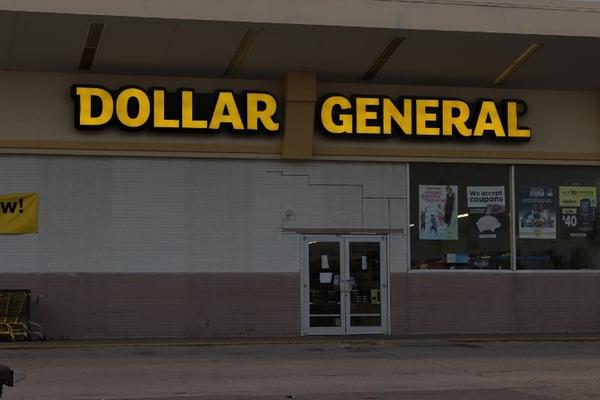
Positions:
(557, 217)
(324, 284)
(365, 321)
(365, 284)
(460, 216)
(325, 322)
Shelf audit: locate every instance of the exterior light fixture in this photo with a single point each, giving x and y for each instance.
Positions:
(92, 42)
(241, 52)
(383, 58)
(518, 63)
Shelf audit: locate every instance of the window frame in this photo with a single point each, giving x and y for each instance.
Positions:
(512, 226)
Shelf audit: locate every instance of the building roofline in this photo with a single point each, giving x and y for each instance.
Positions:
(536, 17)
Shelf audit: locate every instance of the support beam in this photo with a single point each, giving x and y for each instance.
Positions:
(299, 96)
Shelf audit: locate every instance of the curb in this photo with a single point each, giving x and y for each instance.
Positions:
(89, 344)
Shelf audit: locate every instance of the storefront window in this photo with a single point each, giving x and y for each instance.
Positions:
(556, 219)
(459, 216)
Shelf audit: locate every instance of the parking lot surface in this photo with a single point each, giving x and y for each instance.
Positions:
(378, 369)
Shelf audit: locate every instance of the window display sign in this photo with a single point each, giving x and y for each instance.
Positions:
(537, 212)
(438, 206)
(577, 211)
(487, 210)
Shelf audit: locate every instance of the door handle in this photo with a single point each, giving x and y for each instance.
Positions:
(343, 285)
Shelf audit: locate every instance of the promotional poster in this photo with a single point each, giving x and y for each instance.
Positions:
(19, 213)
(487, 211)
(438, 208)
(577, 212)
(537, 212)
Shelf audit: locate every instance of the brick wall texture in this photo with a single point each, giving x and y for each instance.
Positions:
(262, 304)
(456, 303)
(162, 305)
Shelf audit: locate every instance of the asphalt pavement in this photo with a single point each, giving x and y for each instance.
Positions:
(433, 369)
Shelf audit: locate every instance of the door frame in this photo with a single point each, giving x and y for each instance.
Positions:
(383, 285)
(304, 286)
(345, 328)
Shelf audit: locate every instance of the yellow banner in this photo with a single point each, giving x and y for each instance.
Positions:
(19, 213)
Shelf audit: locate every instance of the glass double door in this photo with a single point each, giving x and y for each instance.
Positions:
(344, 285)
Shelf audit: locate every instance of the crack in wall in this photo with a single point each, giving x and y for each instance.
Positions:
(282, 173)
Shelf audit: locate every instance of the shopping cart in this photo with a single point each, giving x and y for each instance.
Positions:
(15, 306)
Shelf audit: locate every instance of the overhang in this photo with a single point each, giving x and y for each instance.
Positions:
(188, 46)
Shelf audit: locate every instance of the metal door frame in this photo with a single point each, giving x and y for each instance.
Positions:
(383, 285)
(345, 328)
(305, 283)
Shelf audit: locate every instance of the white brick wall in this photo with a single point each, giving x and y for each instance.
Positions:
(116, 214)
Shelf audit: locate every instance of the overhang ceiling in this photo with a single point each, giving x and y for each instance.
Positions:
(54, 42)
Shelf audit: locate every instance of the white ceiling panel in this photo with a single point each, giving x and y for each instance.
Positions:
(338, 54)
(202, 48)
(562, 63)
(49, 42)
(7, 22)
(452, 58)
(133, 45)
(54, 42)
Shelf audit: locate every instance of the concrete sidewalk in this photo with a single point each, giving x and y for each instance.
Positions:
(313, 368)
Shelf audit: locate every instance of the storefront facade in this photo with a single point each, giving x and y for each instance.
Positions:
(287, 204)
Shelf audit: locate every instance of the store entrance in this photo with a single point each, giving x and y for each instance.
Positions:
(344, 285)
